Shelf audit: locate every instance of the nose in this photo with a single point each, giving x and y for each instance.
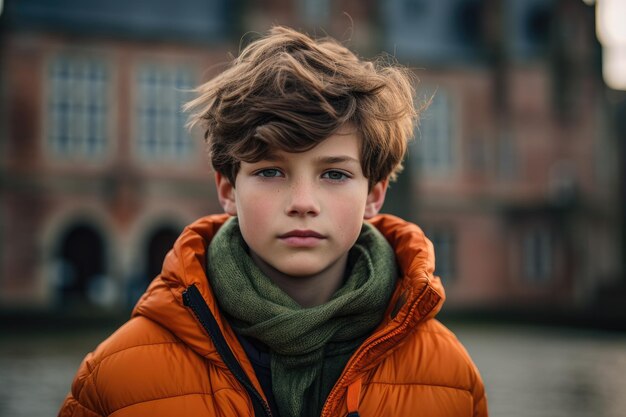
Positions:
(303, 199)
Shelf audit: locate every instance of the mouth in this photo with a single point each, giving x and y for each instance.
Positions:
(302, 238)
(302, 233)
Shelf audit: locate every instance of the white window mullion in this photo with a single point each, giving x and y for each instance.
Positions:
(434, 148)
(162, 134)
(77, 107)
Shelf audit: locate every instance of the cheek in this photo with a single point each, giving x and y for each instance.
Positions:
(349, 204)
(348, 218)
(255, 211)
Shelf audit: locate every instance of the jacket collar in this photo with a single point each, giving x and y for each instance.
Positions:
(418, 294)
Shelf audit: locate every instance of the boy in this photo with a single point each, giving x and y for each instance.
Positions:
(290, 304)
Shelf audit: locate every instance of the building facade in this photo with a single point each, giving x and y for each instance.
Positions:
(513, 173)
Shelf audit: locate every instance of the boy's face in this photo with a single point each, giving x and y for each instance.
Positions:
(302, 212)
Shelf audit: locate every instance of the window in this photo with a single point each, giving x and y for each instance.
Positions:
(314, 12)
(508, 166)
(161, 133)
(528, 26)
(77, 107)
(537, 248)
(468, 22)
(426, 31)
(435, 139)
(444, 242)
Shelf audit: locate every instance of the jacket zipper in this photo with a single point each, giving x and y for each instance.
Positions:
(334, 392)
(193, 299)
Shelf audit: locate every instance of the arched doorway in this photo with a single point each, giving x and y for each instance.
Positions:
(81, 259)
(159, 242)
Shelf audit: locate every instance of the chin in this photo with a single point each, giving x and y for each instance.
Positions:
(300, 272)
(299, 269)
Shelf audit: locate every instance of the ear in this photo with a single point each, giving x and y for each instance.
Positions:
(226, 194)
(375, 199)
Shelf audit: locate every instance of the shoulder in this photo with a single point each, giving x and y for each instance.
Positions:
(134, 365)
(134, 338)
(431, 355)
(429, 371)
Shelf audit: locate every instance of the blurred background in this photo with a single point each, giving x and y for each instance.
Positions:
(516, 175)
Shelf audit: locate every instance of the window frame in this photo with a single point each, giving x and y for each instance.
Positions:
(94, 116)
(178, 147)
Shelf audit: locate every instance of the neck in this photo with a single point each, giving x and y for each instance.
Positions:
(310, 290)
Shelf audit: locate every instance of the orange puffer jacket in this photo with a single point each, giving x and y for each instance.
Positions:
(177, 355)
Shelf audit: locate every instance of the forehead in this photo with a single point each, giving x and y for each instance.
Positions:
(343, 146)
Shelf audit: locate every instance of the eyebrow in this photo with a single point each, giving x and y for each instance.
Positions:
(334, 159)
(337, 159)
(272, 157)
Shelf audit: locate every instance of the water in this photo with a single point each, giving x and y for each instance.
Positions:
(37, 369)
(528, 371)
(543, 372)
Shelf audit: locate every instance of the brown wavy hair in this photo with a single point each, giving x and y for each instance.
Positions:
(288, 91)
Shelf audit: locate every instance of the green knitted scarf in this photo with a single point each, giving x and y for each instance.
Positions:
(309, 346)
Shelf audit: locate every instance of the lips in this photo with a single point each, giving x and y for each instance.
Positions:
(302, 238)
(302, 233)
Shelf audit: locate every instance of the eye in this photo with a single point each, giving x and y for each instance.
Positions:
(335, 175)
(269, 173)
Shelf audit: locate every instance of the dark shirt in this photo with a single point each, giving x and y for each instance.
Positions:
(259, 355)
